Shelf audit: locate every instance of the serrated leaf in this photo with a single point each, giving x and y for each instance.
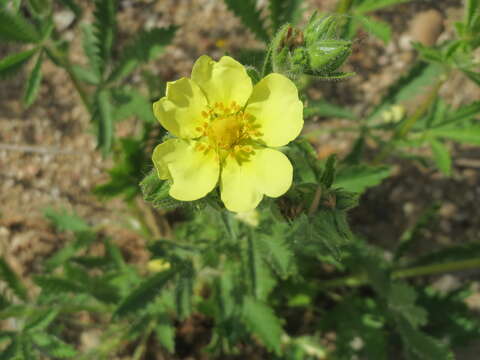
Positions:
(13, 27)
(262, 321)
(146, 292)
(463, 113)
(259, 275)
(156, 192)
(52, 284)
(147, 45)
(64, 221)
(85, 75)
(401, 299)
(442, 157)
(184, 292)
(165, 333)
(82, 240)
(131, 102)
(360, 177)
(326, 109)
(104, 117)
(378, 28)
(328, 175)
(466, 135)
(41, 320)
(12, 280)
(276, 251)
(11, 64)
(373, 5)
(250, 16)
(89, 43)
(53, 346)
(33, 82)
(283, 11)
(422, 345)
(105, 28)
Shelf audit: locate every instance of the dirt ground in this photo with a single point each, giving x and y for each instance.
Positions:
(48, 156)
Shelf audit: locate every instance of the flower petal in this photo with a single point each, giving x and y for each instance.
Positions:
(267, 172)
(223, 81)
(277, 109)
(194, 173)
(180, 111)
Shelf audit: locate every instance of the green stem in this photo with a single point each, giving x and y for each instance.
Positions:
(140, 350)
(362, 279)
(65, 63)
(268, 55)
(344, 6)
(402, 131)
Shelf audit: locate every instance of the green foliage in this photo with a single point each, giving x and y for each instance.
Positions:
(373, 5)
(53, 346)
(33, 82)
(250, 16)
(378, 28)
(359, 178)
(144, 293)
(104, 117)
(13, 282)
(326, 109)
(15, 28)
(104, 30)
(11, 64)
(283, 11)
(147, 45)
(261, 321)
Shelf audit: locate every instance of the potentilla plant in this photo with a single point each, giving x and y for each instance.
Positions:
(251, 252)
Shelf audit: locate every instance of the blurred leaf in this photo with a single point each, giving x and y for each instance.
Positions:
(418, 78)
(441, 155)
(55, 284)
(104, 115)
(360, 177)
(184, 291)
(165, 333)
(379, 29)
(89, 43)
(284, 11)
(326, 109)
(146, 46)
(53, 346)
(259, 275)
(131, 102)
(85, 75)
(261, 320)
(11, 64)
(12, 280)
(41, 320)
(276, 250)
(466, 135)
(104, 29)
(472, 9)
(250, 16)
(144, 293)
(328, 175)
(82, 240)
(420, 344)
(401, 299)
(463, 113)
(14, 27)
(64, 221)
(373, 5)
(156, 192)
(33, 82)
(10, 352)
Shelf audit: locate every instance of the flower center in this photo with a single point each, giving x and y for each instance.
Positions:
(229, 130)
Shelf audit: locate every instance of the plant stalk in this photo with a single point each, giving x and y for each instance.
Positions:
(344, 6)
(362, 279)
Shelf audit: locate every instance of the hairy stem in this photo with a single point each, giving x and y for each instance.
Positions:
(362, 279)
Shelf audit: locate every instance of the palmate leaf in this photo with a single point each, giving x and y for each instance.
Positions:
(283, 11)
(146, 292)
(33, 82)
(145, 47)
(11, 64)
(262, 321)
(13, 27)
(250, 16)
(12, 280)
(104, 29)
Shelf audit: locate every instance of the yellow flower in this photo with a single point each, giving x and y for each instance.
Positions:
(226, 130)
(158, 265)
